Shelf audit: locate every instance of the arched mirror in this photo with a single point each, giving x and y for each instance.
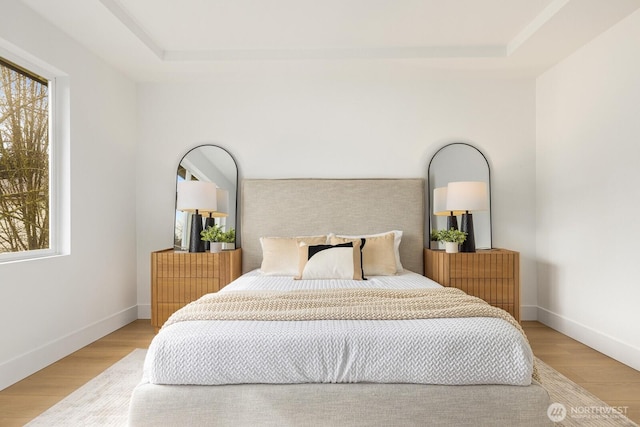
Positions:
(210, 164)
(458, 163)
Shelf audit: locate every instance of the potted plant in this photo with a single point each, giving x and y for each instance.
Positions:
(451, 238)
(433, 239)
(213, 234)
(228, 239)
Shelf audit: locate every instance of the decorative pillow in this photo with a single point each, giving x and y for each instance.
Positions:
(378, 256)
(397, 237)
(280, 254)
(343, 261)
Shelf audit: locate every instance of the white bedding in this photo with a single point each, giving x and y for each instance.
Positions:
(426, 351)
(254, 281)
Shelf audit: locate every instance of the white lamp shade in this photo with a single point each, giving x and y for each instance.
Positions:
(196, 195)
(467, 196)
(222, 197)
(223, 200)
(440, 203)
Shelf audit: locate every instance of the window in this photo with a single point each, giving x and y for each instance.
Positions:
(25, 161)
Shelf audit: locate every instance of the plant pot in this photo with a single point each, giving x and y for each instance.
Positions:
(434, 245)
(228, 246)
(451, 247)
(216, 247)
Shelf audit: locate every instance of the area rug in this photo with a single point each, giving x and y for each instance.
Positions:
(104, 401)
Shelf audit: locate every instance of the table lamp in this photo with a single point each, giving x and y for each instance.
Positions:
(467, 196)
(440, 208)
(195, 197)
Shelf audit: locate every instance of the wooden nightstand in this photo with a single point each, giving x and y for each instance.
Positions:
(177, 278)
(493, 275)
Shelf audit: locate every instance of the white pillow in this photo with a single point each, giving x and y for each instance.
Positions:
(341, 261)
(397, 237)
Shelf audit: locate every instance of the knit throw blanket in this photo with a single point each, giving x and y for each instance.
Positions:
(341, 304)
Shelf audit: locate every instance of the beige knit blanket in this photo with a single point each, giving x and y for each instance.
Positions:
(341, 304)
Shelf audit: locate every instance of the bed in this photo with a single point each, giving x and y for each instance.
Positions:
(407, 375)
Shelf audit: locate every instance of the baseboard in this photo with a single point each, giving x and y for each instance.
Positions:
(28, 363)
(528, 312)
(612, 347)
(144, 311)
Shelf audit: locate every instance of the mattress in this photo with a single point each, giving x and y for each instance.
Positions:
(458, 351)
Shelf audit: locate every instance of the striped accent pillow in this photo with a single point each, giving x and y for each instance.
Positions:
(341, 261)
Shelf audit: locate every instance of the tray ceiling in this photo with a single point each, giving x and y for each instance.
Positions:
(151, 38)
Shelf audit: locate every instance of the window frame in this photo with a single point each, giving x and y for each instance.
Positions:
(58, 104)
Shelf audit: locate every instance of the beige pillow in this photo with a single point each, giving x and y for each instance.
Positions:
(378, 255)
(280, 254)
(341, 261)
(396, 244)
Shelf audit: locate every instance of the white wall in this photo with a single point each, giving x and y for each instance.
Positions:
(587, 152)
(51, 307)
(338, 119)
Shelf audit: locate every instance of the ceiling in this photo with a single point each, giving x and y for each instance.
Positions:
(163, 39)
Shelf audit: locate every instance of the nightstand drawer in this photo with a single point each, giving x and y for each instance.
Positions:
(185, 289)
(494, 292)
(481, 265)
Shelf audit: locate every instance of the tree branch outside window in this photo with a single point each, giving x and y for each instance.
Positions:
(24, 161)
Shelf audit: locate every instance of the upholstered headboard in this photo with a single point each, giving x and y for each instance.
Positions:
(300, 207)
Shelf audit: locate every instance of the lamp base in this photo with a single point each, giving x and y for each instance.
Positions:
(195, 241)
(466, 225)
(208, 222)
(452, 222)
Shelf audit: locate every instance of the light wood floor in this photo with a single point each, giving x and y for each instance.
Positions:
(613, 382)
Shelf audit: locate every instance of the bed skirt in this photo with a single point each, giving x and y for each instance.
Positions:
(338, 405)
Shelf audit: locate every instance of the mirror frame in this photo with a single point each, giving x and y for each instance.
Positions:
(237, 176)
(430, 190)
